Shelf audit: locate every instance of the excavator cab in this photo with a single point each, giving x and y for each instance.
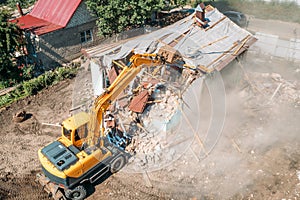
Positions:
(75, 129)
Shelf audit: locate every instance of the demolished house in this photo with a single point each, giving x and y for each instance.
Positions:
(157, 107)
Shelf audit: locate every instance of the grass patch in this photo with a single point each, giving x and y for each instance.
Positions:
(284, 11)
(33, 86)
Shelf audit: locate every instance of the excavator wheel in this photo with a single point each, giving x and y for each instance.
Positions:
(117, 164)
(78, 193)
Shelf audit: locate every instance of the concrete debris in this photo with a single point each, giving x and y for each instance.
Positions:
(298, 174)
(275, 88)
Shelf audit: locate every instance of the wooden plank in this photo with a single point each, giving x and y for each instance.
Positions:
(222, 38)
(275, 92)
(224, 53)
(243, 43)
(7, 90)
(235, 145)
(147, 179)
(210, 27)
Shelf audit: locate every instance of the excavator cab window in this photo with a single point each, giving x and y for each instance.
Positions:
(67, 133)
(81, 132)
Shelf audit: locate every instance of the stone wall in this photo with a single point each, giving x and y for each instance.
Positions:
(81, 16)
(64, 45)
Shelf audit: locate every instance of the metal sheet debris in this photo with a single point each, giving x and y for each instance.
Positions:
(139, 102)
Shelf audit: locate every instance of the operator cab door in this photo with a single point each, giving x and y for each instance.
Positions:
(80, 135)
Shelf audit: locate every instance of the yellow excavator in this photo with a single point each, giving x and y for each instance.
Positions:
(83, 154)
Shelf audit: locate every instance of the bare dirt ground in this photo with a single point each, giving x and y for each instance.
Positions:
(20, 142)
(257, 155)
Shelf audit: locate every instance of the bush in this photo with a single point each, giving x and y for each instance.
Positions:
(33, 86)
(5, 99)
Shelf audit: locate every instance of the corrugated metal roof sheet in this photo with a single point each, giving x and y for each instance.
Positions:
(55, 11)
(212, 47)
(36, 25)
(48, 15)
(138, 102)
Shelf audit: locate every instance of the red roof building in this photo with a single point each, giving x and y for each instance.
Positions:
(48, 16)
(56, 30)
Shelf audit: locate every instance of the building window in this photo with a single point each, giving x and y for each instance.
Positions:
(86, 36)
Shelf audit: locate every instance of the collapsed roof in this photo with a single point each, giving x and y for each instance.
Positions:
(213, 47)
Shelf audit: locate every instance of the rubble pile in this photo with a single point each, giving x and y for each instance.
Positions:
(153, 125)
(152, 141)
(274, 88)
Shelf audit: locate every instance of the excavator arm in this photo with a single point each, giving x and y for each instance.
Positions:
(101, 104)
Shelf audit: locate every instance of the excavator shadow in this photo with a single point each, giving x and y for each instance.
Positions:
(90, 188)
(114, 167)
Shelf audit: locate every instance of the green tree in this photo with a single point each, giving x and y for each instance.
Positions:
(120, 15)
(12, 3)
(10, 41)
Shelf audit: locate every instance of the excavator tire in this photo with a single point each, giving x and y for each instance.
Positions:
(78, 193)
(117, 164)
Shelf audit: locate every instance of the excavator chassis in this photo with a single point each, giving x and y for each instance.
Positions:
(51, 188)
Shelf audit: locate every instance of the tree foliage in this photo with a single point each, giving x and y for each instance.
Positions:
(119, 15)
(10, 41)
(12, 3)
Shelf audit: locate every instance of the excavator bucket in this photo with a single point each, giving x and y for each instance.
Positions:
(170, 54)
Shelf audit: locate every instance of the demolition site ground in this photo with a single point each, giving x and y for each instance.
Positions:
(257, 155)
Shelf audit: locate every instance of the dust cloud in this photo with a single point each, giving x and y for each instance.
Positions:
(257, 154)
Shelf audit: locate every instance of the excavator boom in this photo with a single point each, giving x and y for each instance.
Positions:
(101, 104)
